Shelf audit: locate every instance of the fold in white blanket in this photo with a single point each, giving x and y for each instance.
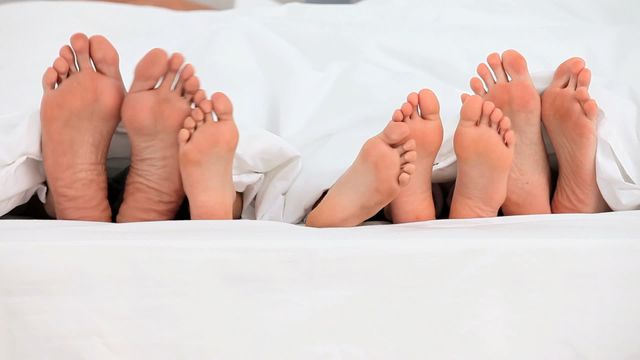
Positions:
(311, 83)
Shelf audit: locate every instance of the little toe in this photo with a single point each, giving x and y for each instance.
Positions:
(222, 107)
(464, 97)
(397, 115)
(80, 45)
(495, 63)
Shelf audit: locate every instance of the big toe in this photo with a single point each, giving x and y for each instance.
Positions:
(222, 106)
(80, 45)
(563, 73)
(515, 65)
(471, 110)
(105, 57)
(149, 70)
(428, 104)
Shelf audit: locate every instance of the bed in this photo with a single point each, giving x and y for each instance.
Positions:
(310, 84)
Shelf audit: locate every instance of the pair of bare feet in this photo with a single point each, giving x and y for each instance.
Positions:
(176, 145)
(393, 169)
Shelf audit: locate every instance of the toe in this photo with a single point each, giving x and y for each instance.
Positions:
(189, 123)
(67, 54)
(515, 65)
(175, 62)
(49, 79)
(409, 169)
(413, 99)
(477, 87)
(471, 111)
(496, 65)
(582, 94)
(404, 179)
(183, 137)
(591, 109)
(509, 138)
(486, 76)
(150, 70)
(222, 107)
(464, 97)
(105, 57)
(487, 110)
(429, 105)
(191, 86)
(397, 115)
(563, 72)
(504, 124)
(187, 73)
(80, 45)
(409, 145)
(198, 115)
(584, 78)
(409, 157)
(198, 96)
(394, 133)
(206, 107)
(406, 109)
(62, 68)
(495, 118)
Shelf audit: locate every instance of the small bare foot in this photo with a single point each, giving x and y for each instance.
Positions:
(79, 113)
(569, 115)
(415, 201)
(511, 89)
(484, 145)
(153, 115)
(207, 148)
(382, 168)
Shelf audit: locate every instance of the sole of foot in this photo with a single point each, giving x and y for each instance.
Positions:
(484, 146)
(207, 148)
(153, 112)
(506, 82)
(80, 109)
(421, 113)
(569, 115)
(383, 167)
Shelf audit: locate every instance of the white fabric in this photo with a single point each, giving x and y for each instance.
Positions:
(325, 78)
(536, 287)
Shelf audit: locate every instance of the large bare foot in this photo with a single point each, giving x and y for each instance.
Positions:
(415, 201)
(383, 166)
(207, 148)
(153, 116)
(511, 89)
(484, 146)
(569, 115)
(79, 113)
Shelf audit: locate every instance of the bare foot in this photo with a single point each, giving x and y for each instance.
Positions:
(153, 116)
(79, 113)
(484, 145)
(207, 148)
(511, 89)
(415, 201)
(569, 115)
(382, 168)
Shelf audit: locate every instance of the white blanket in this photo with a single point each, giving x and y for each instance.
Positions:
(325, 78)
(560, 287)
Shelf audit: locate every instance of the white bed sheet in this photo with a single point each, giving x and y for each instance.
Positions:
(535, 287)
(325, 78)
